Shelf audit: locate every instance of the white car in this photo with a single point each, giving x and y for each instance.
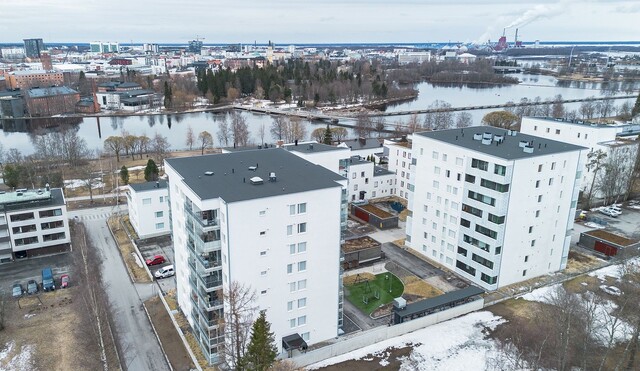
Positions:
(164, 272)
(611, 290)
(609, 212)
(615, 208)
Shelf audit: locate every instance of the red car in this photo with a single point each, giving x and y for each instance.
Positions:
(65, 281)
(158, 259)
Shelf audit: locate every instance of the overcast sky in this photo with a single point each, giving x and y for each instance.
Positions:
(317, 21)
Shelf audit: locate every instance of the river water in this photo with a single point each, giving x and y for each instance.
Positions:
(175, 127)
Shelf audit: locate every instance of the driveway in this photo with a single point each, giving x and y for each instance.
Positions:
(23, 270)
(166, 250)
(139, 348)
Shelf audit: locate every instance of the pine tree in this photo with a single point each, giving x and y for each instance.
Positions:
(168, 96)
(328, 136)
(151, 171)
(124, 174)
(261, 351)
(636, 108)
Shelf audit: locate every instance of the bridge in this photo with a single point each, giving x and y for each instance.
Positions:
(301, 114)
(493, 106)
(508, 69)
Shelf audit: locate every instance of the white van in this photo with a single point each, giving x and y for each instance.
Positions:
(165, 272)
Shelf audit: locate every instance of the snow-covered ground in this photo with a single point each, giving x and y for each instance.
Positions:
(13, 359)
(79, 183)
(458, 344)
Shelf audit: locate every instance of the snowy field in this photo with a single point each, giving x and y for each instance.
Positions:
(16, 359)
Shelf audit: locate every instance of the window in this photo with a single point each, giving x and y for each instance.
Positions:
(472, 210)
(302, 227)
(263, 233)
(263, 292)
(539, 198)
(436, 184)
(465, 268)
(292, 286)
(355, 187)
(262, 212)
(289, 306)
(263, 253)
(479, 164)
(289, 268)
(550, 181)
(292, 323)
(436, 171)
(465, 223)
(302, 247)
(459, 161)
(159, 225)
(302, 208)
(477, 243)
(161, 199)
(462, 251)
(489, 280)
(526, 258)
(302, 302)
(553, 166)
(292, 248)
(44, 214)
(25, 228)
(302, 320)
(305, 336)
(353, 176)
(292, 209)
(494, 186)
(496, 219)
(499, 169)
(302, 266)
(289, 229)
(302, 284)
(498, 250)
(537, 213)
(482, 198)
(481, 260)
(146, 201)
(470, 178)
(547, 130)
(537, 184)
(533, 243)
(434, 155)
(531, 229)
(540, 168)
(486, 231)
(524, 273)
(362, 174)
(557, 132)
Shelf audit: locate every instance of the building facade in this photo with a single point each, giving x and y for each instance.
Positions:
(33, 48)
(51, 101)
(149, 208)
(34, 78)
(266, 219)
(492, 205)
(32, 222)
(399, 162)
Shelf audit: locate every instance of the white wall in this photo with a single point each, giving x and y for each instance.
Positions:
(144, 207)
(39, 232)
(400, 163)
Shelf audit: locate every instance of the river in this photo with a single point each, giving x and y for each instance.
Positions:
(175, 127)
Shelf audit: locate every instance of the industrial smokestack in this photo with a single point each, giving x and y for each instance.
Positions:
(516, 36)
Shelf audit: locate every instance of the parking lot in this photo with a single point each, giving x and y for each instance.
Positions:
(23, 270)
(164, 248)
(627, 224)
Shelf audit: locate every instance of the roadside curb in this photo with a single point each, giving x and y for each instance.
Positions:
(179, 330)
(166, 357)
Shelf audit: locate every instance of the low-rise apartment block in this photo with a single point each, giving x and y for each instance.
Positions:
(149, 208)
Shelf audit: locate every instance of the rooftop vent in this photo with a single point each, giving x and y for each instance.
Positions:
(498, 138)
(487, 135)
(272, 177)
(477, 136)
(513, 133)
(256, 180)
(523, 143)
(253, 168)
(310, 147)
(527, 149)
(208, 173)
(486, 141)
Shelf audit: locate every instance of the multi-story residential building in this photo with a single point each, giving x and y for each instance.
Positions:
(34, 78)
(266, 219)
(104, 47)
(33, 48)
(149, 208)
(492, 205)
(616, 141)
(364, 147)
(32, 222)
(399, 162)
(366, 180)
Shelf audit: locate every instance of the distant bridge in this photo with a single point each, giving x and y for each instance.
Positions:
(508, 69)
(492, 106)
(301, 114)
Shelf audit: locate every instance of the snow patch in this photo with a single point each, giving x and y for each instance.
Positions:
(79, 183)
(540, 295)
(18, 362)
(457, 344)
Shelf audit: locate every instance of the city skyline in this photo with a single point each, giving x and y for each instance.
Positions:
(328, 21)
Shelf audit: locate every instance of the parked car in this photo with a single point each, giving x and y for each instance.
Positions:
(609, 212)
(615, 208)
(32, 287)
(611, 290)
(158, 259)
(17, 290)
(64, 281)
(164, 272)
(47, 280)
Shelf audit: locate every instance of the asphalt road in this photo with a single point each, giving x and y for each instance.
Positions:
(139, 348)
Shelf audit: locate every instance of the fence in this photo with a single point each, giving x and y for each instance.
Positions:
(376, 335)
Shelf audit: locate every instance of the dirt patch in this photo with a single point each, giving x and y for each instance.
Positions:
(170, 298)
(360, 277)
(610, 237)
(579, 262)
(127, 250)
(360, 243)
(388, 359)
(169, 338)
(193, 343)
(375, 211)
(582, 284)
(128, 227)
(515, 308)
(416, 286)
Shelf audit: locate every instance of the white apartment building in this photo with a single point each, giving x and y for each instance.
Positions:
(494, 206)
(610, 139)
(399, 162)
(149, 208)
(367, 181)
(267, 219)
(364, 147)
(32, 222)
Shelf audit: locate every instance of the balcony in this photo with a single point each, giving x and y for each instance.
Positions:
(208, 262)
(206, 219)
(211, 282)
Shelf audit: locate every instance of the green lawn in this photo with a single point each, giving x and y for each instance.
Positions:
(381, 284)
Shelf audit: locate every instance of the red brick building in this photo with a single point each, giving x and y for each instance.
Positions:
(51, 101)
(38, 78)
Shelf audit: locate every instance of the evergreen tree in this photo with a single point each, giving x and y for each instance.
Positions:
(328, 136)
(124, 175)
(151, 171)
(11, 175)
(168, 96)
(636, 108)
(261, 350)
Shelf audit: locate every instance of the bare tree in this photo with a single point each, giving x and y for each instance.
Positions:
(618, 169)
(557, 109)
(262, 133)
(339, 133)
(318, 135)
(413, 124)
(240, 310)
(190, 138)
(500, 119)
(160, 147)
(205, 139)
(240, 129)
(295, 130)
(595, 160)
(378, 125)
(279, 127)
(463, 120)
(224, 133)
(114, 145)
(364, 126)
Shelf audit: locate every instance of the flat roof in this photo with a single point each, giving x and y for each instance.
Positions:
(432, 303)
(149, 186)
(312, 147)
(33, 198)
(576, 122)
(610, 237)
(508, 149)
(50, 91)
(231, 174)
(380, 171)
(364, 143)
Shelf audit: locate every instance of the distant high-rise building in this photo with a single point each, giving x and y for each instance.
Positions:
(45, 58)
(195, 46)
(33, 47)
(102, 47)
(152, 48)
